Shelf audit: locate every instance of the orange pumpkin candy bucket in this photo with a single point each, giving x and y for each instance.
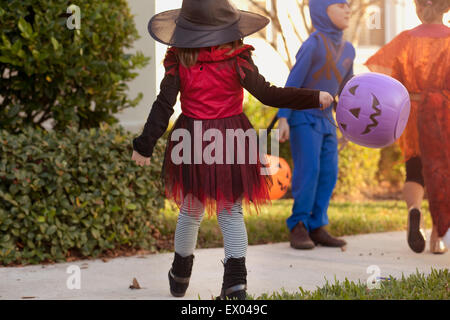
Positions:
(279, 170)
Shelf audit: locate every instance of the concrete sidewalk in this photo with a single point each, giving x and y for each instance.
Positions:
(270, 268)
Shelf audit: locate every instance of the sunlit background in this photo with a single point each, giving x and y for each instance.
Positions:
(374, 23)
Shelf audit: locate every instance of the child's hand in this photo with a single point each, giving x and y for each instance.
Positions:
(325, 99)
(140, 160)
(283, 126)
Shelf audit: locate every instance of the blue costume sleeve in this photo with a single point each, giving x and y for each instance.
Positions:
(300, 70)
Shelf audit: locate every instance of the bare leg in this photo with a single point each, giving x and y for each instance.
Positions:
(413, 195)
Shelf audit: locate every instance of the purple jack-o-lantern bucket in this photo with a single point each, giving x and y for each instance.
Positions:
(373, 110)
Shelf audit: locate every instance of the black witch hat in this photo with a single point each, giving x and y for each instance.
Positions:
(204, 23)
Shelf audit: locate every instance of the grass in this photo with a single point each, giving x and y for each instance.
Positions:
(345, 218)
(434, 286)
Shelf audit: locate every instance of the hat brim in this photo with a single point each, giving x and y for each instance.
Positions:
(163, 28)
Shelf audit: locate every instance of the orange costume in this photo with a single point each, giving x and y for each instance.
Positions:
(420, 59)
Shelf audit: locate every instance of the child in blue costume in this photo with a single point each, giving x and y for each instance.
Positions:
(325, 62)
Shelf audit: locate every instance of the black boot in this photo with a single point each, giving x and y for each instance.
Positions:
(234, 284)
(180, 274)
(416, 234)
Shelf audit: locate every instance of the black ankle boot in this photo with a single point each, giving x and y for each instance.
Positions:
(180, 274)
(234, 284)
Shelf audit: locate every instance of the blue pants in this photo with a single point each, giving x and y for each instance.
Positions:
(315, 157)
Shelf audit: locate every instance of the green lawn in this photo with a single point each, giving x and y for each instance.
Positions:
(434, 286)
(346, 218)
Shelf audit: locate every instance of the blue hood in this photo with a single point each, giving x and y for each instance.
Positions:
(321, 21)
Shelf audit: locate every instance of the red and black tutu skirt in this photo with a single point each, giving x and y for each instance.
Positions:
(214, 168)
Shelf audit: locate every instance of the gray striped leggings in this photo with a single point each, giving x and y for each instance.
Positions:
(231, 224)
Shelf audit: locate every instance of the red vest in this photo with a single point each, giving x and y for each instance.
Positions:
(211, 89)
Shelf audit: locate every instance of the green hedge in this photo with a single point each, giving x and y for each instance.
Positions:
(75, 193)
(51, 71)
(358, 167)
(391, 167)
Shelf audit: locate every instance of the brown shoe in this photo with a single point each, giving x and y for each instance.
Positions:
(300, 238)
(322, 237)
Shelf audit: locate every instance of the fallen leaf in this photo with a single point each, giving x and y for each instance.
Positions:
(28, 297)
(135, 284)
(344, 248)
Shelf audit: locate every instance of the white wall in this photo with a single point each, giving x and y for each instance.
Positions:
(400, 15)
(160, 49)
(133, 119)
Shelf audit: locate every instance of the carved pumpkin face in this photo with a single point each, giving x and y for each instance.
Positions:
(373, 110)
(281, 177)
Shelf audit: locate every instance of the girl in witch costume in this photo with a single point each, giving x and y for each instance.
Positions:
(420, 59)
(209, 65)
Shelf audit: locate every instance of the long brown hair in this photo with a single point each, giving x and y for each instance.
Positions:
(433, 9)
(188, 56)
